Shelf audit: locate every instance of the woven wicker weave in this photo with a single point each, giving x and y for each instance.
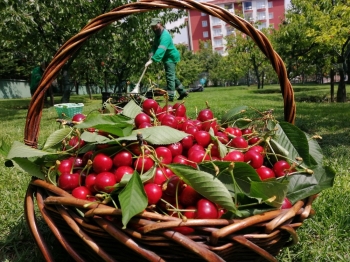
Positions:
(94, 238)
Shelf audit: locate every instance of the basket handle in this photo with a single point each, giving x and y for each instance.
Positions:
(34, 114)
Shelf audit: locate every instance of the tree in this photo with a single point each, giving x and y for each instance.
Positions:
(35, 29)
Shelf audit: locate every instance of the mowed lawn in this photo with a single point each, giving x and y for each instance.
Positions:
(325, 237)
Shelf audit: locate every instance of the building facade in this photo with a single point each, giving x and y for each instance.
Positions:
(203, 27)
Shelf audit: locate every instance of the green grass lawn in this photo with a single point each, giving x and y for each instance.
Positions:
(325, 237)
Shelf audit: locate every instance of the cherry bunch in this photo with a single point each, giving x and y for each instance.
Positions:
(94, 174)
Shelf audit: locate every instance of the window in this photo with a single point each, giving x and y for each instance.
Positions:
(260, 4)
(205, 34)
(270, 4)
(261, 15)
(270, 15)
(229, 30)
(248, 17)
(203, 14)
(217, 32)
(247, 5)
(204, 23)
(216, 21)
(218, 42)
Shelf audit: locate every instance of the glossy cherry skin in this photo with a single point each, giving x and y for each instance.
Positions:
(81, 192)
(234, 156)
(206, 209)
(121, 171)
(122, 158)
(153, 192)
(265, 173)
(254, 158)
(101, 163)
(104, 182)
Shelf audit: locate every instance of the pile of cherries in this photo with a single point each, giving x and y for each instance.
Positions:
(87, 176)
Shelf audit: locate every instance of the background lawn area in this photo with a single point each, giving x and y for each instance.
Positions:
(325, 237)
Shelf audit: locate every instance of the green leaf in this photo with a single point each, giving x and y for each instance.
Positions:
(132, 198)
(131, 109)
(229, 116)
(157, 135)
(205, 184)
(118, 125)
(22, 151)
(57, 137)
(292, 139)
(94, 137)
(29, 167)
(222, 148)
(4, 148)
(316, 154)
(271, 192)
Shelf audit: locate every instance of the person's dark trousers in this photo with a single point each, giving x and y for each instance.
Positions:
(173, 83)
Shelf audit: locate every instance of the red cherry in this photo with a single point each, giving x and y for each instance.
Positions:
(153, 192)
(76, 142)
(180, 109)
(164, 154)
(121, 171)
(235, 156)
(65, 166)
(286, 204)
(195, 147)
(184, 230)
(253, 140)
(122, 158)
(265, 173)
(102, 163)
(90, 182)
(68, 181)
(160, 176)
(175, 148)
(234, 131)
(281, 168)
(78, 117)
(190, 212)
(81, 192)
(205, 114)
(197, 156)
(203, 138)
(206, 209)
(239, 142)
(104, 182)
(174, 186)
(143, 164)
(210, 124)
(222, 137)
(254, 158)
(169, 120)
(189, 197)
(258, 149)
(149, 106)
(168, 109)
(180, 159)
(141, 118)
(187, 142)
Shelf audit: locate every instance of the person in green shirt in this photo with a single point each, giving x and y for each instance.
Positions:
(35, 77)
(163, 50)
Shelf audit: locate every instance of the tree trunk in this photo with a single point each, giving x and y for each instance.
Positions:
(341, 93)
(332, 74)
(88, 86)
(262, 80)
(66, 87)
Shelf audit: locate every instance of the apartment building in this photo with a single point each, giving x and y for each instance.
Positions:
(265, 13)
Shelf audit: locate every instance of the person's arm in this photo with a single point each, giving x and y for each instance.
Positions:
(161, 48)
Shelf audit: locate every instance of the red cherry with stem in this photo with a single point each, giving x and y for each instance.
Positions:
(122, 158)
(76, 142)
(254, 158)
(195, 147)
(239, 142)
(258, 149)
(160, 176)
(214, 151)
(90, 182)
(81, 192)
(234, 156)
(121, 171)
(253, 140)
(203, 138)
(141, 118)
(222, 137)
(164, 154)
(105, 181)
(153, 192)
(180, 121)
(205, 114)
(281, 168)
(234, 131)
(246, 131)
(101, 163)
(189, 196)
(68, 181)
(265, 173)
(65, 166)
(174, 186)
(175, 148)
(206, 209)
(143, 164)
(190, 212)
(78, 117)
(197, 156)
(192, 130)
(87, 156)
(149, 106)
(210, 124)
(168, 109)
(180, 109)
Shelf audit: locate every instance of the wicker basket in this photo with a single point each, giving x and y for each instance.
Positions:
(68, 109)
(94, 238)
